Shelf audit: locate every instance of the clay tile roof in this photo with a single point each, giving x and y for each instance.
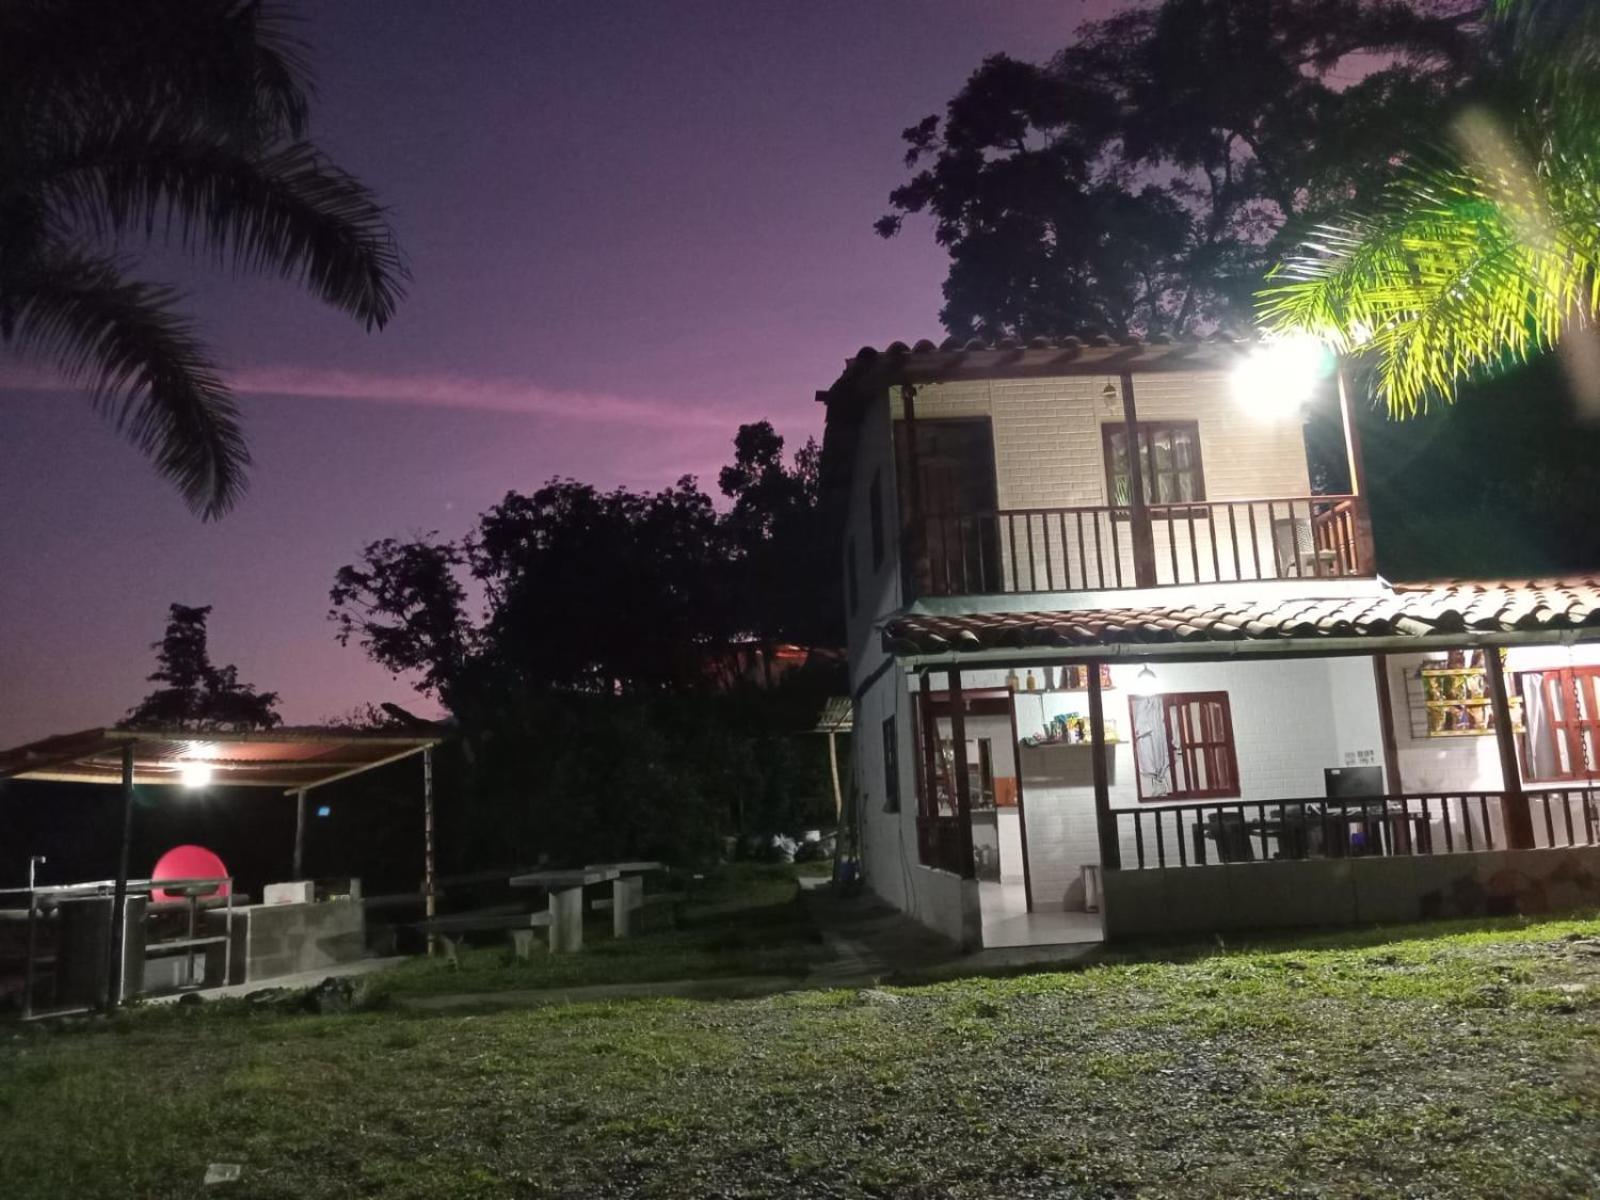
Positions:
(1421, 611)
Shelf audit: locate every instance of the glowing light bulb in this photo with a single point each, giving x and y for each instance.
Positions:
(1281, 375)
(194, 774)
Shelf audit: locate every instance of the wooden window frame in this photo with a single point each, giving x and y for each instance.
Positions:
(1145, 432)
(1222, 752)
(1573, 732)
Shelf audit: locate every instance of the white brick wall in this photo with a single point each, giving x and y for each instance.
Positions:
(1050, 453)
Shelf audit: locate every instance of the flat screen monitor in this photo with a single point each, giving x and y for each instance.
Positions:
(1344, 783)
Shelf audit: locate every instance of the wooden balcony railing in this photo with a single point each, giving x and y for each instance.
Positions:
(1424, 823)
(1108, 548)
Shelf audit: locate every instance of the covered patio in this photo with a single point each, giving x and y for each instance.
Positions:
(1343, 783)
(293, 761)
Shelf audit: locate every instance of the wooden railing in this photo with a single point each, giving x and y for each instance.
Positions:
(939, 843)
(1183, 835)
(1098, 548)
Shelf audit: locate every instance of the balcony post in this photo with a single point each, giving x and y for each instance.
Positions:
(1514, 805)
(1105, 823)
(958, 737)
(1144, 543)
(1366, 554)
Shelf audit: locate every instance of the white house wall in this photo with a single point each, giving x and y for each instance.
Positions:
(1291, 719)
(1049, 453)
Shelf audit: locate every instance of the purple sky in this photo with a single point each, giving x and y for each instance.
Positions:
(632, 226)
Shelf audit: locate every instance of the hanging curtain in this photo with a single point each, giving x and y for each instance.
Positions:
(1152, 755)
(1543, 762)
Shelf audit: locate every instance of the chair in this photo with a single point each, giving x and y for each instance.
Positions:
(1296, 550)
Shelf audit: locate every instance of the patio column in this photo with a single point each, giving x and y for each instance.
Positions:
(1143, 538)
(1366, 554)
(430, 900)
(299, 835)
(119, 895)
(1514, 805)
(1105, 823)
(958, 736)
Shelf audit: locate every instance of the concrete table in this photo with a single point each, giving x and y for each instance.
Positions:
(565, 889)
(627, 892)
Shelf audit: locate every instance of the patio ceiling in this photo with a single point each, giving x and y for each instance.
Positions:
(290, 759)
(1405, 616)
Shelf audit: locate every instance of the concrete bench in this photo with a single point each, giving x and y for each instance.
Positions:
(450, 930)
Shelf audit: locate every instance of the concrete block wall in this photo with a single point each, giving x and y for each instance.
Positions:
(1333, 892)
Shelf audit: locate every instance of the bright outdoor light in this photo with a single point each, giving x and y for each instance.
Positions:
(194, 774)
(1280, 375)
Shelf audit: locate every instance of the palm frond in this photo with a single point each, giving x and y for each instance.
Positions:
(284, 209)
(236, 63)
(1468, 265)
(145, 370)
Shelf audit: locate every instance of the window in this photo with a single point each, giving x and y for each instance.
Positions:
(1169, 462)
(891, 767)
(1183, 746)
(850, 582)
(875, 503)
(1561, 719)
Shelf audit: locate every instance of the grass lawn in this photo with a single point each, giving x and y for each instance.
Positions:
(744, 920)
(1454, 1064)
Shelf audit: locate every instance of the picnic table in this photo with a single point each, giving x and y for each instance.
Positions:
(565, 891)
(628, 895)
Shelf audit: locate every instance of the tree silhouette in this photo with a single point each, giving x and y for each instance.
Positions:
(183, 122)
(197, 695)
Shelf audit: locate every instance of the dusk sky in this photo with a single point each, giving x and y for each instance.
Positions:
(631, 228)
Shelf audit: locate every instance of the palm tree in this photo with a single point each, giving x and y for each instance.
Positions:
(1484, 252)
(180, 122)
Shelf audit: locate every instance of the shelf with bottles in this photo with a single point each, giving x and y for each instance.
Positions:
(1048, 680)
(1069, 729)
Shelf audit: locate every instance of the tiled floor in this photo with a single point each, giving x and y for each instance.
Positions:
(1007, 921)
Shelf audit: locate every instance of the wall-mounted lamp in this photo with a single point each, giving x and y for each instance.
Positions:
(1144, 683)
(1111, 394)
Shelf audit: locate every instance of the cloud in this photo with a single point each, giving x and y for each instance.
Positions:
(434, 390)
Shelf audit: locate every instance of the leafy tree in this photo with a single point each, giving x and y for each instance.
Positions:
(123, 120)
(1486, 250)
(600, 592)
(1139, 182)
(593, 721)
(777, 541)
(196, 694)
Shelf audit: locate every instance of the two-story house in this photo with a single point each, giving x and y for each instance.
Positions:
(1119, 668)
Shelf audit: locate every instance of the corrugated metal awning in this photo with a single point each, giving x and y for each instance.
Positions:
(291, 759)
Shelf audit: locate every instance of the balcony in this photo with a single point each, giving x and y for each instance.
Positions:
(1109, 548)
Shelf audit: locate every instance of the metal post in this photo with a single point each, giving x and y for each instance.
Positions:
(1110, 844)
(119, 896)
(429, 874)
(958, 738)
(1514, 805)
(833, 766)
(1141, 535)
(298, 866)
